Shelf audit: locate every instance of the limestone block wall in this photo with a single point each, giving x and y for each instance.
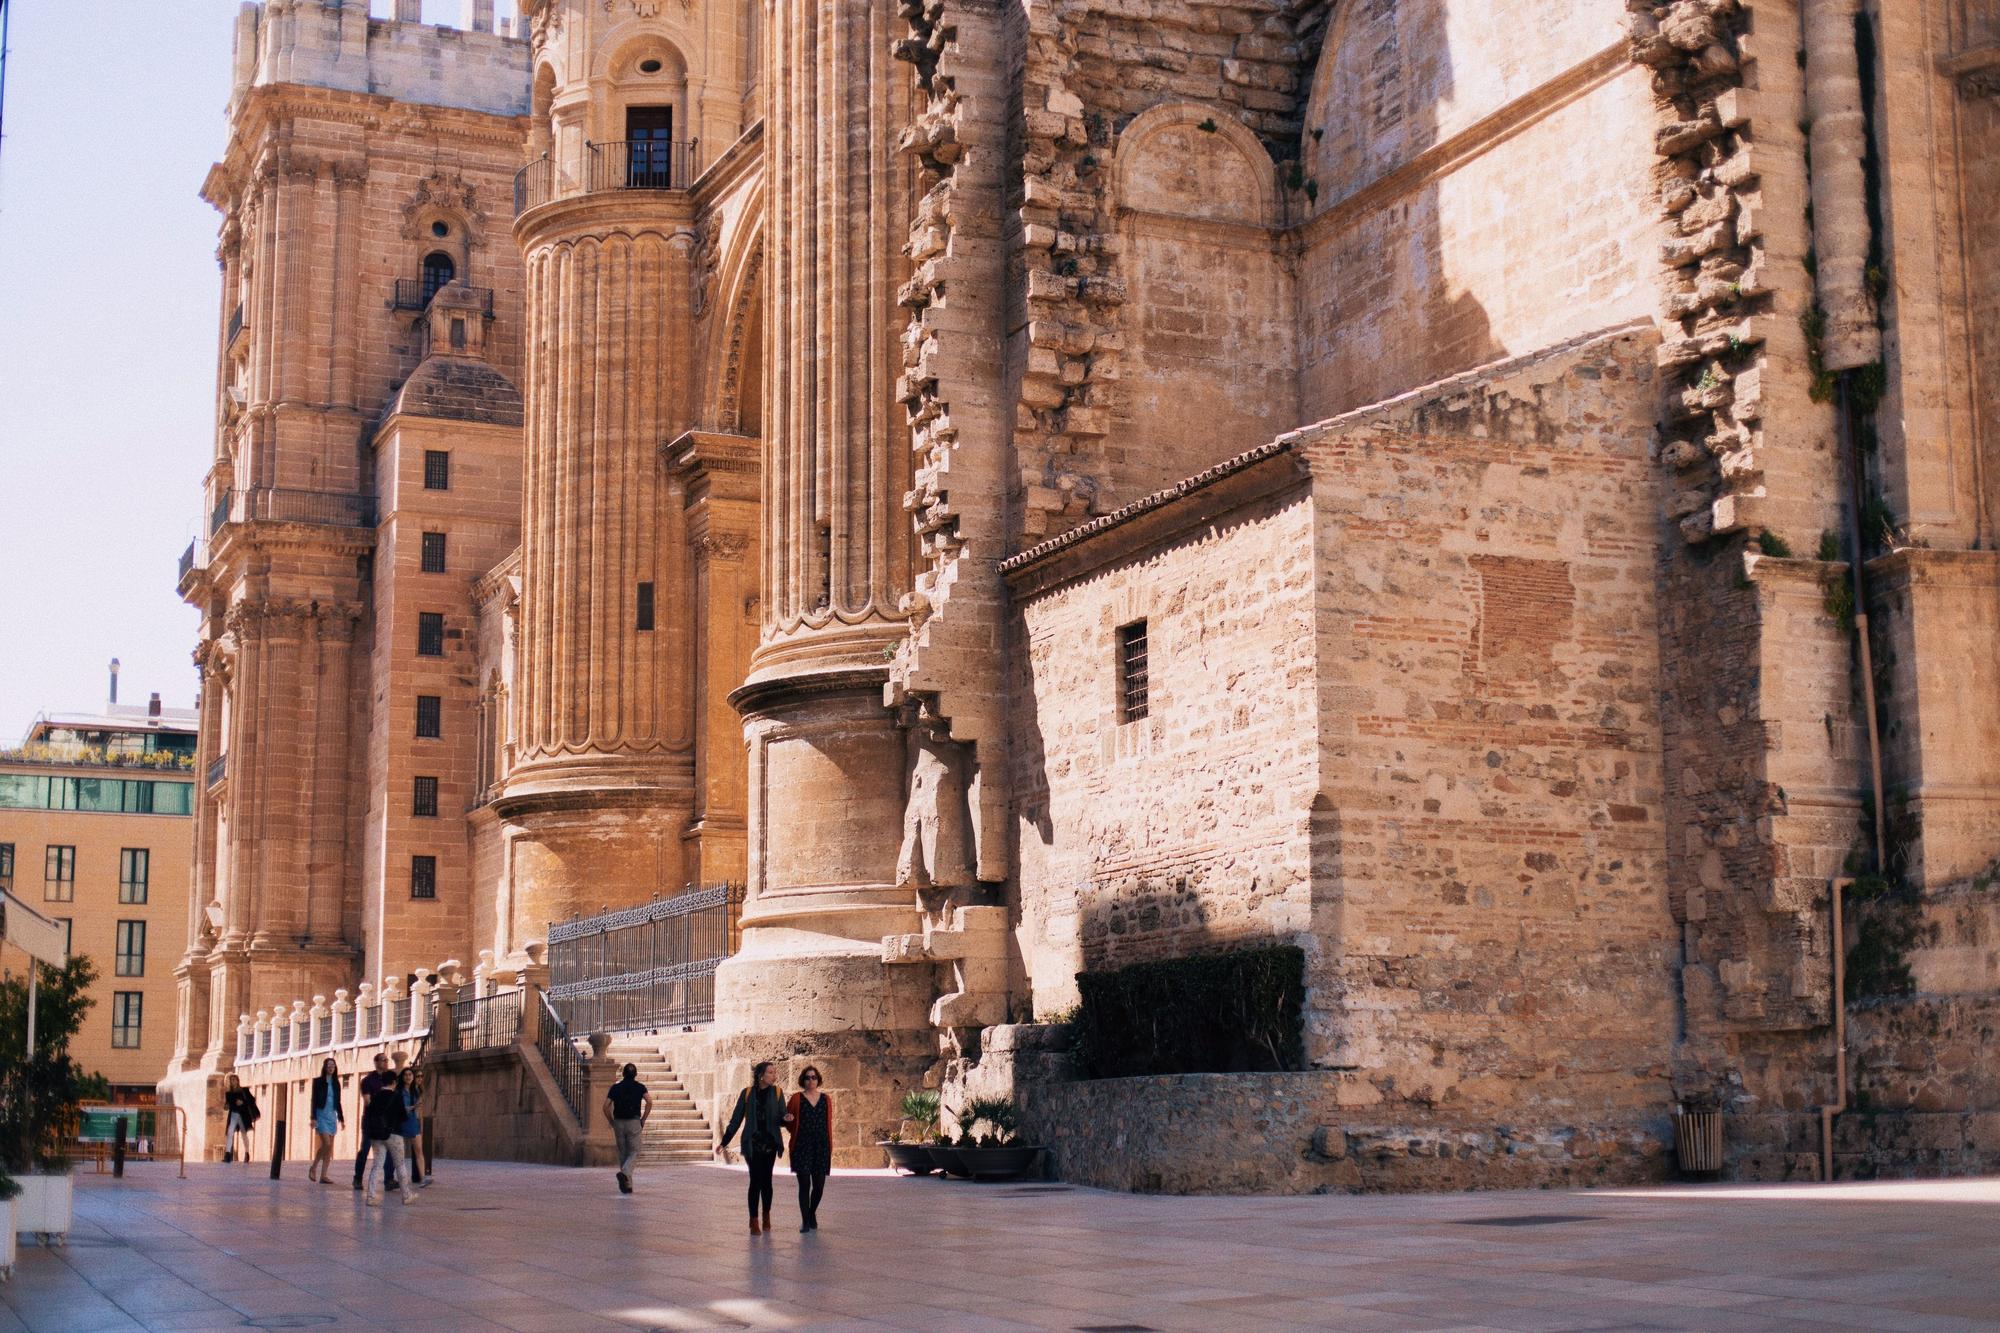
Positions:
(1474, 182)
(338, 46)
(1184, 831)
(1491, 849)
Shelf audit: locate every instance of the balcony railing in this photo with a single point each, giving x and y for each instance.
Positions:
(187, 563)
(278, 504)
(416, 294)
(218, 769)
(235, 326)
(624, 164)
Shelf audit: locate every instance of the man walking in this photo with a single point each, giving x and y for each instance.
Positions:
(371, 1084)
(626, 1106)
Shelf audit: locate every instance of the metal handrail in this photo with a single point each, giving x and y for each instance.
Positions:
(235, 325)
(621, 164)
(218, 769)
(418, 293)
(649, 966)
(560, 1056)
(487, 1020)
(284, 504)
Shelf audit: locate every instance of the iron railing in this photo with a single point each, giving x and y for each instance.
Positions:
(188, 559)
(623, 164)
(218, 769)
(644, 967)
(282, 504)
(235, 326)
(417, 293)
(565, 1064)
(487, 1020)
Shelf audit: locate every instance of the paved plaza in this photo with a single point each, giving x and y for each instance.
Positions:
(497, 1246)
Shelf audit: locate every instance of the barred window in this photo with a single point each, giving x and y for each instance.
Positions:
(135, 866)
(430, 716)
(59, 875)
(1133, 702)
(437, 469)
(433, 553)
(430, 634)
(423, 877)
(645, 612)
(424, 801)
(128, 1009)
(131, 955)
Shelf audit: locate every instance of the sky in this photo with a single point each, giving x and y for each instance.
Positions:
(109, 296)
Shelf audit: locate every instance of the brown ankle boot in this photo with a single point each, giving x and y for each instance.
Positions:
(767, 1219)
(753, 1224)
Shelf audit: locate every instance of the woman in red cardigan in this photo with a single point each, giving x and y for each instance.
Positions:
(809, 1117)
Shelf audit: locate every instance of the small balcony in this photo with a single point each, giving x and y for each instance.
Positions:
(417, 293)
(217, 771)
(278, 504)
(625, 164)
(235, 326)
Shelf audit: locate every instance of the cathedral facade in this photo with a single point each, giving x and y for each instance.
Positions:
(1501, 496)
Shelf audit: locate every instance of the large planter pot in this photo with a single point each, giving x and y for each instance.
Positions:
(914, 1158)
(46, 1206)
(1002, 1163)
(8, 1243)
(948, 1160)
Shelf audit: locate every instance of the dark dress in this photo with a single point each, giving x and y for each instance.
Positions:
(812, 1144)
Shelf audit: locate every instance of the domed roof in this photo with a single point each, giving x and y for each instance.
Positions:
(458, 388)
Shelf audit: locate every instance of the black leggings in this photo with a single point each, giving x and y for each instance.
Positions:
(761, 1165)
(810, 1189)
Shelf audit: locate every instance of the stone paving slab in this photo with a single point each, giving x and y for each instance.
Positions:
(533, 1248)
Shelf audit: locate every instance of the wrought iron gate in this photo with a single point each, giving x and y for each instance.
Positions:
(651, 966)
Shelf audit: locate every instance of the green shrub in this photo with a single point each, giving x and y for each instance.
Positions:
(1222, 1013)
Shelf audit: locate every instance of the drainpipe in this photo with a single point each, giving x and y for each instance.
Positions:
(1852, 338)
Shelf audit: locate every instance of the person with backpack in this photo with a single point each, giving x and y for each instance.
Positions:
(382, 1119)
(760, 1113)
(239, 1104)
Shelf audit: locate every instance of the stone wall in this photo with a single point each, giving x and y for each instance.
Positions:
(1185, 830)
(500, 1105)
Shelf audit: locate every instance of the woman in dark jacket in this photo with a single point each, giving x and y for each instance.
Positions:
(760, 1113)
(240, 1109)
(809, 1116)
(328, 1117)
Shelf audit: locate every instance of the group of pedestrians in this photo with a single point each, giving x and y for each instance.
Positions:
(766, 1118)
(391, 1127)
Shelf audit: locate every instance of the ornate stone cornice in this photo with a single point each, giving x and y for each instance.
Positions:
(283, 619)
(441, 191)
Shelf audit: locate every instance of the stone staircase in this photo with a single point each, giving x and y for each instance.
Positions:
(676, 1132)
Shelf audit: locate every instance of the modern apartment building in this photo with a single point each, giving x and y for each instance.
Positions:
(96, 831)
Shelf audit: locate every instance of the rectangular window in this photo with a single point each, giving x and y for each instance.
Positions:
(645, 616)
(131, 956)
(59, 875)
(127, 1013)
(135, 866)
(67, 931)
(437, 469)
(1132, 698)
(6, 865)
(433, 553)
(430, 716)
(430, 634)
(423, 877)
(424, 801)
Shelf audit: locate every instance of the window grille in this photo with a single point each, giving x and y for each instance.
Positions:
(430, 716)
(430, 634)
(437, 469)
(424, 800)
(1133, 700)
(423, 877)
(433, 553)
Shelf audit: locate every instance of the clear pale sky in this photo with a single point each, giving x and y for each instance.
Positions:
(108, 300)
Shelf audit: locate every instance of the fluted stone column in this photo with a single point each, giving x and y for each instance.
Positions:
(826, 758)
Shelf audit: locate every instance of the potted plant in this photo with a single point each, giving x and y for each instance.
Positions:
(909, 1150)
(41, 1092)
(996, 1153)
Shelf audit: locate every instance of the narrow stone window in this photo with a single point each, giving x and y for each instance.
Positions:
(135, 868)
(424, 798)
(434, 553)
(644, 619)
(430, 634)
(131, 954)
(458, 335)
(1133, 702)
(423, 877)
(128, 1009)
(430, 717)
(437, 469)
